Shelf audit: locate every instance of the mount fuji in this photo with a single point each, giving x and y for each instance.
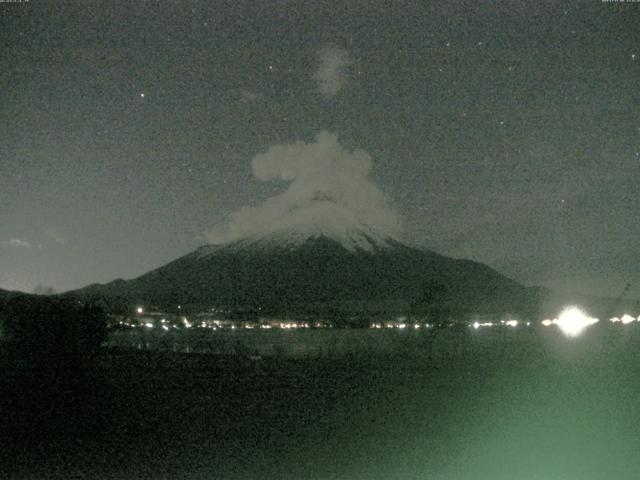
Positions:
(344, 272)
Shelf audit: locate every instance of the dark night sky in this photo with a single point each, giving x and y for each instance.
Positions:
(504, 132)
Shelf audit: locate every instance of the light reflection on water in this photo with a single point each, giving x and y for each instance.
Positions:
(335, 342)
(474, 404)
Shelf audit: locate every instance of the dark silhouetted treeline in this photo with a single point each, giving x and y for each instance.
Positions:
(40, 326)
(47, 370)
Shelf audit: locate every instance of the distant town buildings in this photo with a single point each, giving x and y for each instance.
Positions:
(213, 319)
(223, 319)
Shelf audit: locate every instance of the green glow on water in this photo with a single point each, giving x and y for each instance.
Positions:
(541, 409)
(477, 404)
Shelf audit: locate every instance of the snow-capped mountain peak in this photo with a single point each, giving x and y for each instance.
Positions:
(353, 240)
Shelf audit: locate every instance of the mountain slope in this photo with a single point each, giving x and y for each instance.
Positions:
(316, 274)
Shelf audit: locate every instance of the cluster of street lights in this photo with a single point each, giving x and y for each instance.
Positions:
(572, 321)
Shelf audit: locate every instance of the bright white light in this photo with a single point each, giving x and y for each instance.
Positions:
(627, 319)
(546, 322)
(165, 328)
(572, 321)
(148, 325)
(477, 324)
(614, 320)
(512, 323)
(140, 310)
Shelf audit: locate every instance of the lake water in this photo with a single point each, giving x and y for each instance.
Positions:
(296, 343)
(494, 404)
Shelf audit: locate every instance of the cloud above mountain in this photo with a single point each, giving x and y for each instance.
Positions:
(331, 74)
(329, 192)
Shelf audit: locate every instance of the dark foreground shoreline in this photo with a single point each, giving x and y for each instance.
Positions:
(491, 408)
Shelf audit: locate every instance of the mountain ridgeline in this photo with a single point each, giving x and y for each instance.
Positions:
(319, 275)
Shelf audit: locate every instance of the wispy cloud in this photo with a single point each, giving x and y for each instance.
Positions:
(16, 242)
(41, 289)
(331, 74)
(55, 236)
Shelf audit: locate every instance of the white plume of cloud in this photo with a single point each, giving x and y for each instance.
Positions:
(331, 74)
(330, 193)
